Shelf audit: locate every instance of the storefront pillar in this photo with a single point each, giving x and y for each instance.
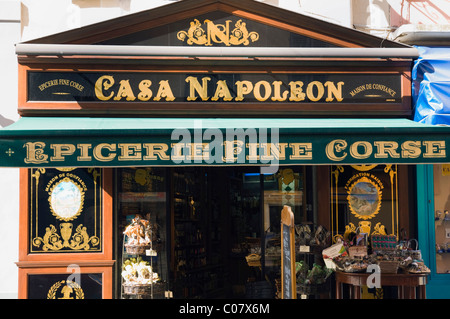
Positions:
(439, 283)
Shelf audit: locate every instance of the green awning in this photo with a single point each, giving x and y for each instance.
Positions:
(96, 141)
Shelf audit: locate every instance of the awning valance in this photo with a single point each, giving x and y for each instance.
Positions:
(119, 142)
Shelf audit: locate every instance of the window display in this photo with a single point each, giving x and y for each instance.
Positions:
(442, 217)
(141, 236)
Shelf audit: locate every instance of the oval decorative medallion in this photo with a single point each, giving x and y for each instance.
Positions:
(364, 198)
(66, 199)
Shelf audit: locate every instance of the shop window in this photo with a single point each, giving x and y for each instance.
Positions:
(208, 220)
(141, 197)
(442, 217)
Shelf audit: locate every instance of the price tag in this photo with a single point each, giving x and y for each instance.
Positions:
(150, 252)
(305, 249)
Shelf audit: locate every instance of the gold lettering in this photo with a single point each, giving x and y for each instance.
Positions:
(155, 150)
(411, 149)
(257, 90)
(145, 93)
(336, 146)
(434, 149)
(61, 150)
(252, 151)
(296, 91)
(310, 91)
(103, 83)
(84, 149)
(215, 32)
(277, 92)
(194, 86)
(277, 151)
(98, 152)
(47, 84)
(384, 147)
(301, 151)
(164, 91)
(242, 88)
(177, 151)
(232, 150)
(125, 91)
(222, 91)
(35, 153)
(63, 82)
(130, 152)
(76, 85)
(199, 151)
(334, 91)
(365, 145)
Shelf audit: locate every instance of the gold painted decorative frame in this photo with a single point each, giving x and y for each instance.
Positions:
(51, 228)
(364, 197)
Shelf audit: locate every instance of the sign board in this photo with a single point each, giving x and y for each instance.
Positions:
(150, 87)
(95, 142)
(288, 278)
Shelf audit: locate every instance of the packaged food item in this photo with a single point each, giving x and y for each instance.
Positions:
(138, 235)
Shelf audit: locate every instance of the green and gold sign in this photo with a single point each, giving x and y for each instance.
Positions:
(97, 142)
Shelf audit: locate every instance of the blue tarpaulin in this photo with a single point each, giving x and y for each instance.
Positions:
(431, 85)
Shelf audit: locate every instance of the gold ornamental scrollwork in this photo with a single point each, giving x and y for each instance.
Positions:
(217, 33)
(66, 290)
(52, 241)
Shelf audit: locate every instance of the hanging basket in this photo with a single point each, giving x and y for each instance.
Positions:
(137, 289)
(388, 266)
(136, 249)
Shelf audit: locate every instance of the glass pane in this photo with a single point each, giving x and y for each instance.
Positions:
(142, 196)
(65, 206)
(64, 286)
(286, 187)
(442, 216)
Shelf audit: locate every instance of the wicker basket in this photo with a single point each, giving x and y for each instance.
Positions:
(388, 266)
(136, 249)
(253, 260)
(357, 251)
(137, 289)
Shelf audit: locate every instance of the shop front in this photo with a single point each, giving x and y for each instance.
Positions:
(187, 130)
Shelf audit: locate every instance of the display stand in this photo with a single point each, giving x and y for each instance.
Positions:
(144, 291)
(310, 254)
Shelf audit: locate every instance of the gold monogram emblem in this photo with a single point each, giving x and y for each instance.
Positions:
(65, 290)
(217, 33)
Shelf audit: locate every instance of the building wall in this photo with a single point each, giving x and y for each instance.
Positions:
(9, 177)
(29, 19)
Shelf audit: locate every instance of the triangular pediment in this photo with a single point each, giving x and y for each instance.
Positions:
(218, 23)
